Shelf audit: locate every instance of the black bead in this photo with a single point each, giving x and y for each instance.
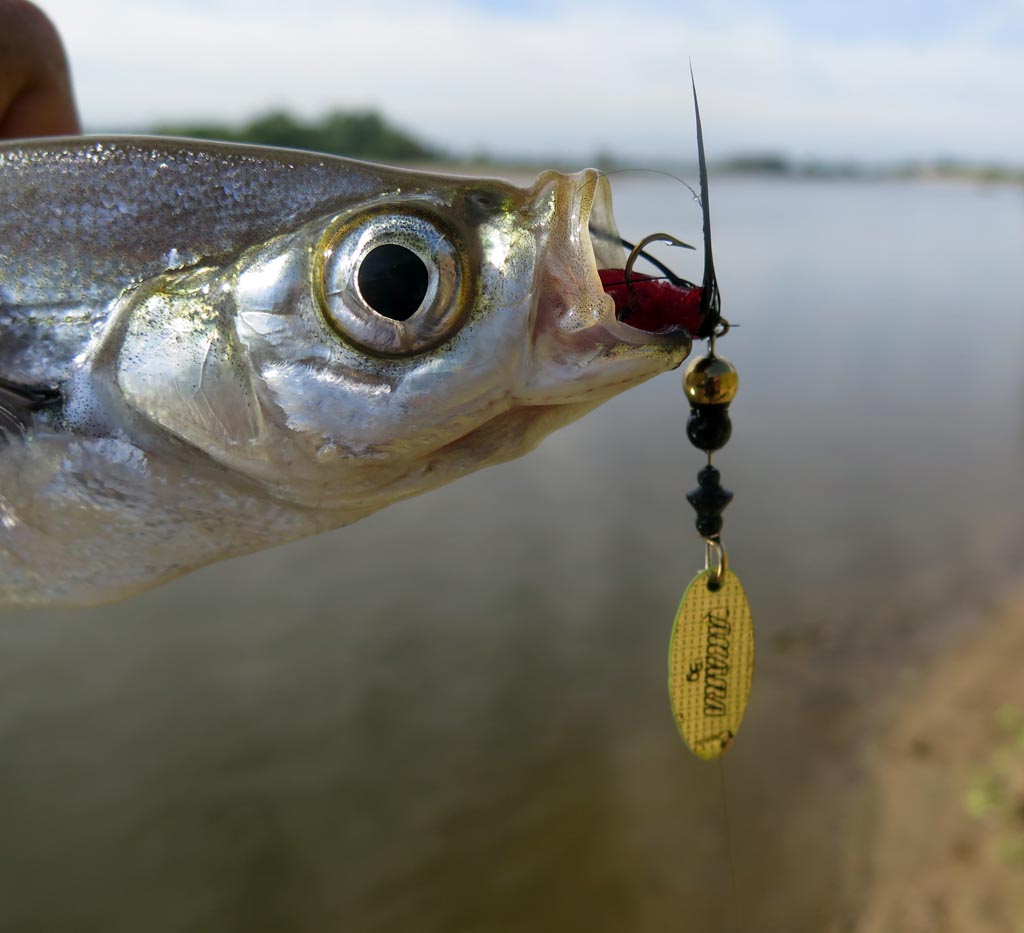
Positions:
(710, 500)
(709, 427)
(708, 526)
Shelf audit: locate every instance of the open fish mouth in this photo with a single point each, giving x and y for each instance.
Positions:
(663, 306)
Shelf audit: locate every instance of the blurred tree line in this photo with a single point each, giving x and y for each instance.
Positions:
(362, 134)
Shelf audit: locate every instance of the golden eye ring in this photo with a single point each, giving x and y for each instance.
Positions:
(408, 231)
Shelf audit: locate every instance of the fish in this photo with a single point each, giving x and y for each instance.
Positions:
(209, 349)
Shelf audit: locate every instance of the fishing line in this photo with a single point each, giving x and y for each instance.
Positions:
(655, 171)
(730, 855)
(644, 254)
(653, 260)
(647, 278)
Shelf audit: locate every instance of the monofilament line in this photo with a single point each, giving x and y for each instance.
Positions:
(727, 826)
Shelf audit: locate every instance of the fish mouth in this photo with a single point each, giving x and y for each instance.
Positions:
(587, 340)
(659, 306)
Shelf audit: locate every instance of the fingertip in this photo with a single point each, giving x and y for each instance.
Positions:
(36, 98)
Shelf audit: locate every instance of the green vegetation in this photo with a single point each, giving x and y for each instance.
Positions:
(996, 794)
(362, 134)
(946, 168)
(367, 135)
(758, 163)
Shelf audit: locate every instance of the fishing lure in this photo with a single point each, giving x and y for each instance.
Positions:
(711, 650)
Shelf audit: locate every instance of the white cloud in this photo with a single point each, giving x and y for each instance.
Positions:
(579, 79)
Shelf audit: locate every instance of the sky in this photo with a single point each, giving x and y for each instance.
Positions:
(873, 81)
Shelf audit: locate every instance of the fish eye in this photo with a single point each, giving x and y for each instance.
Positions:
(392, 283)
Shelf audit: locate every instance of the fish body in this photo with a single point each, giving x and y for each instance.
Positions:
(209, 349)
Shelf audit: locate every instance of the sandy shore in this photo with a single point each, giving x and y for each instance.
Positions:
(949, 852)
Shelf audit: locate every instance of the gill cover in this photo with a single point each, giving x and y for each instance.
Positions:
(179, 362)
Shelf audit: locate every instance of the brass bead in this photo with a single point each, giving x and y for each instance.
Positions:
(711, 380)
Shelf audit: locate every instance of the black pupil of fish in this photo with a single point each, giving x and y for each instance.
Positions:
(393, 281)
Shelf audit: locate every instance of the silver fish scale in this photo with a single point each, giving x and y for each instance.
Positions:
(64, 252)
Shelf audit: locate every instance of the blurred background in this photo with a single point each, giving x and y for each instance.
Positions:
(452, 716)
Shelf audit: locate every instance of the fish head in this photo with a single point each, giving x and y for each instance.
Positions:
(396, 343)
